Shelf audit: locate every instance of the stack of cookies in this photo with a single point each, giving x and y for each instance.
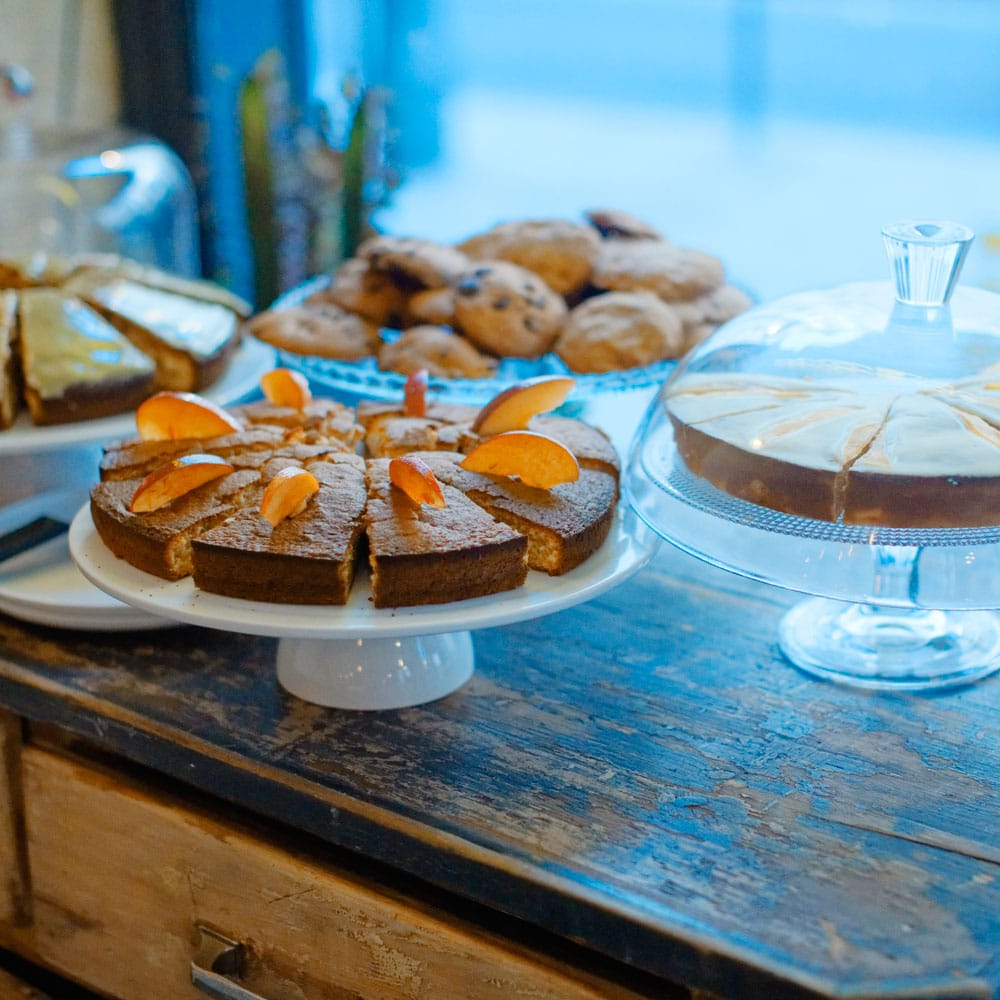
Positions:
(607, 293)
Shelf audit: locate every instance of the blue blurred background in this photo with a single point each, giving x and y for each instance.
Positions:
(778, 134)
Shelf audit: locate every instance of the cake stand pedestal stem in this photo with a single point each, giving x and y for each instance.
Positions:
(373, 674)
(891, 646)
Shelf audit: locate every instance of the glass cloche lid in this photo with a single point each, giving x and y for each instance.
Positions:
(919, 324)
(846, 443)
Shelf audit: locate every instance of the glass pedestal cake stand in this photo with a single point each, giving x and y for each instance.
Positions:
(892, 608)
(358, 656)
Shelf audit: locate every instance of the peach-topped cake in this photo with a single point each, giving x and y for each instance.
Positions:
(280, 499)
(159, 541)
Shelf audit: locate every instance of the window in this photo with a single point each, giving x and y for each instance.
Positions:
(779, 134)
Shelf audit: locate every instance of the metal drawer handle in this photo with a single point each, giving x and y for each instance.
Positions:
(218, 958)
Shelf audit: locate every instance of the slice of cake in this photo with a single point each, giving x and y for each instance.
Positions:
(784, 449)
(99, 268)
(426, 555)
(159, 542)
(564, 525)
(191, 340)
(306, 559)
(10, 391)
(930, 466)
(136, 458)
(76, 366)
(319, 419)
(390, 432)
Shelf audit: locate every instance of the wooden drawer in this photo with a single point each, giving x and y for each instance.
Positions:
(12, 988)
(123, 876)
(15, 908)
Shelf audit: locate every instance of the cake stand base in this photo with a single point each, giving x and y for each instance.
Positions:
(372, 674)
(890, 649)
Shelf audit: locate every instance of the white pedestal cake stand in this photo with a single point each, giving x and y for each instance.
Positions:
(358, 656)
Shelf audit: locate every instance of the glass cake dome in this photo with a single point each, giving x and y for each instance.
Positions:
(845, 443)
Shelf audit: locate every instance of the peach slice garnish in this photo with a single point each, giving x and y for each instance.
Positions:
(416, 479)
(286, 387)
(287, 493)
(511, 409)
(169, 415)
(536, 459)
(174, 479)
(415, 394)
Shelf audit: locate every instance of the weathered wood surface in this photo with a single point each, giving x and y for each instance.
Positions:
(643, 774)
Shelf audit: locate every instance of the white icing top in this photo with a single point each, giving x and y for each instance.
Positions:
(196, 327)
(890, 427)
(65, 343)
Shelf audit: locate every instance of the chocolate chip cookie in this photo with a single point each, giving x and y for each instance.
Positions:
(674, 273)
(560, 252)
(443, 353)
(508, 310)
(614, 224)
(324, 330)
(703, 315)
(432, 305)
(414, 263)
(619, 330)
(356, 287)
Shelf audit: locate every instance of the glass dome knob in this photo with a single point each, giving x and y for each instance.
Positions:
(926, 259)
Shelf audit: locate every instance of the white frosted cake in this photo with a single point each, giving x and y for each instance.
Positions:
(901, 452)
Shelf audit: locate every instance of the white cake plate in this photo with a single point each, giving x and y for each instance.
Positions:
(357, 656)
(43, 585)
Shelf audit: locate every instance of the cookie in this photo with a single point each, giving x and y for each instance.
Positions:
(508, 310)
(432, 305)
(443, 353)
(674, 273)
(413, 262)
(356, 287)
(326, 331)
(613, 224)
(561, 253)
(619, 330)
(703, 315)
(722, 304)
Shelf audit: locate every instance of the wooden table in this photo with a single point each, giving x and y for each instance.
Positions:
(640, 789)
